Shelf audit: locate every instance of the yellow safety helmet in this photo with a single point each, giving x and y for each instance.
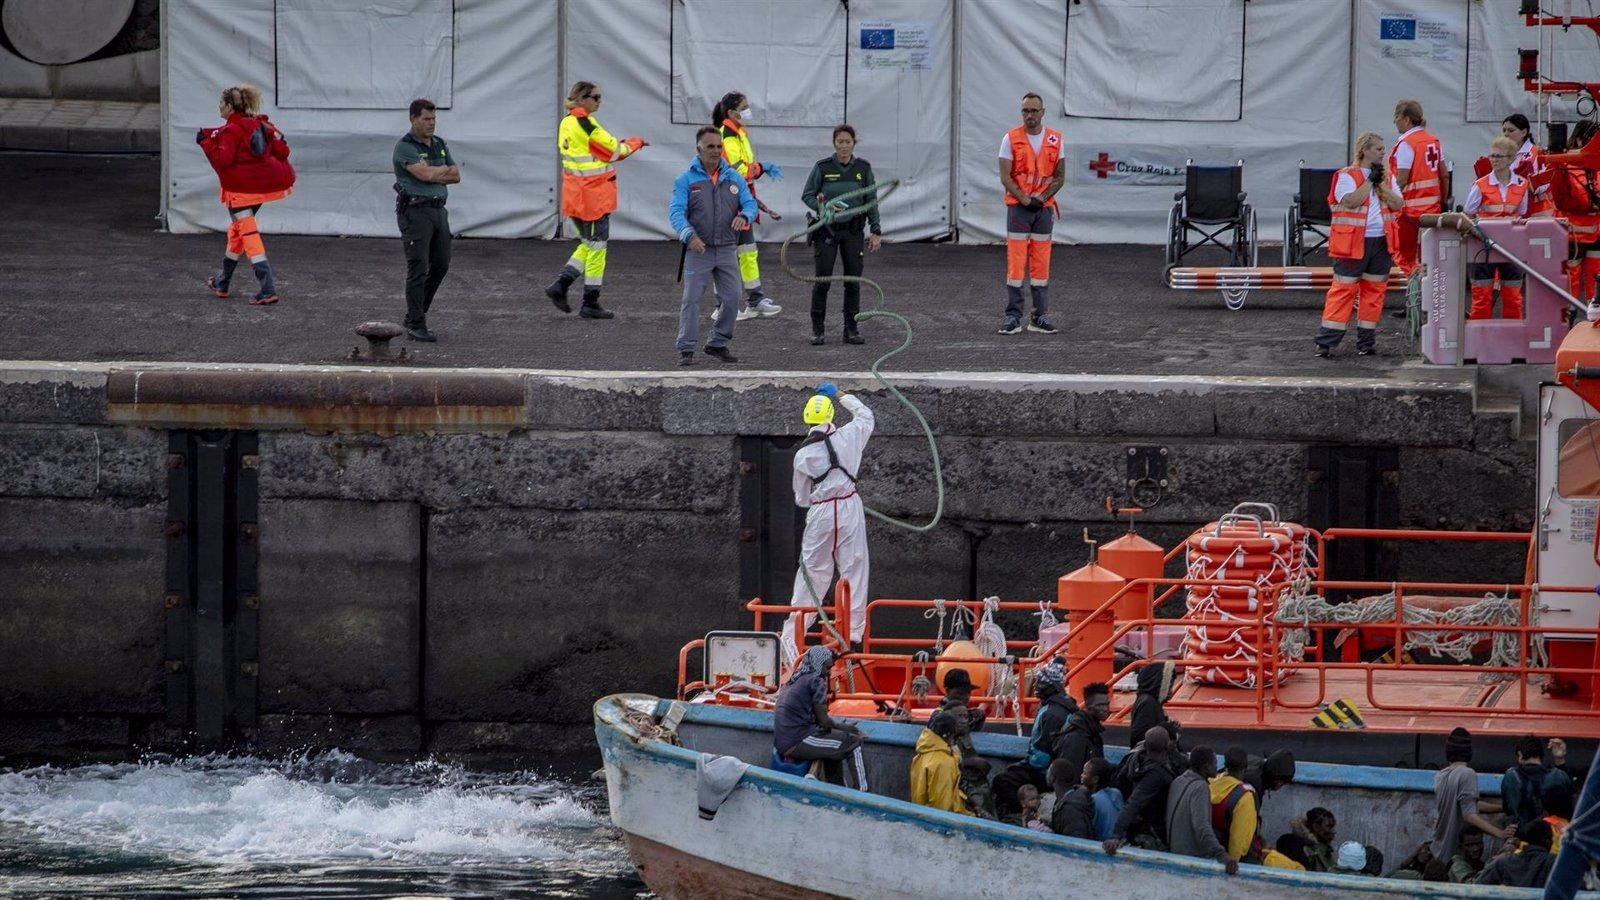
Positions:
(819, 410)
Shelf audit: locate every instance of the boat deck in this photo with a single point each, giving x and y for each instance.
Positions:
(1402, 701)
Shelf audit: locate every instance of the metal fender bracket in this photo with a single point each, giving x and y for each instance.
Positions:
(1147, 475)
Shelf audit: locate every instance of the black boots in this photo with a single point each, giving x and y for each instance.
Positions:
(591, 305)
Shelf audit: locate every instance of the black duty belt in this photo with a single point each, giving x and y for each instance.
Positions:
(435, 202)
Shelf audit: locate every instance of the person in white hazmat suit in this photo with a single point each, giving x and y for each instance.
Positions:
(825, 470)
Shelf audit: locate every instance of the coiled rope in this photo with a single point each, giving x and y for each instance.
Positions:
(1302, 608)
(839, 209)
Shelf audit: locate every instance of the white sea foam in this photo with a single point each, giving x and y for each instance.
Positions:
(332, 808)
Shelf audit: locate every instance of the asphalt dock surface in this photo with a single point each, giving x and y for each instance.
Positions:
(86, 274)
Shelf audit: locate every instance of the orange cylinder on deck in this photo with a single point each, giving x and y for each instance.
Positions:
(1081, 593)
(1133, 557)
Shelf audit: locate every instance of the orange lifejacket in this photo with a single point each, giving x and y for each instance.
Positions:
(1347, 238)
(1498, 204)
(1424, 187)
(1032, 175)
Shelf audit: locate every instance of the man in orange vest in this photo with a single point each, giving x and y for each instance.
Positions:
(1031, 171)
(1364, 199)
(1417, 163)
(1497, 195)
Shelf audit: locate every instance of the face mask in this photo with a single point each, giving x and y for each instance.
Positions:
(746, 116)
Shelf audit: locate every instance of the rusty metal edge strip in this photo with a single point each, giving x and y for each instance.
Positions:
(379, 419)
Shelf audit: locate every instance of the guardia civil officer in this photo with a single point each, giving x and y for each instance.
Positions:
(839, 174)
(423, 167)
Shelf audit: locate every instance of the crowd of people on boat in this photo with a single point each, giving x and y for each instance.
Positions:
(1166, 797)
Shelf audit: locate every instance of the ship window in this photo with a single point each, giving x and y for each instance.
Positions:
(1578, 465)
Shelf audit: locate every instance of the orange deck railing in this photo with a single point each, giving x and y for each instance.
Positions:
(1267, 696)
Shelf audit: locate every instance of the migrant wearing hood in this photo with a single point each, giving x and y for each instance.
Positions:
(1155, 684)
(1277, 767)
(935, 776)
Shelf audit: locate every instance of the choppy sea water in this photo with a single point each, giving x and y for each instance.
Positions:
(326, 825)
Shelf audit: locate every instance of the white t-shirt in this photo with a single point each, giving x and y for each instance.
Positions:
(1347, 185)
(1037, 140)
(1475, 196)
(1402, 155)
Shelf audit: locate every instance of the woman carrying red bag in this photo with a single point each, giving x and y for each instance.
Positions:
(252, 162)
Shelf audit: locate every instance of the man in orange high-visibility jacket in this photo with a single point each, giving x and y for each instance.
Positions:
(1417, 163)
(1497, 195)
(1031, 171)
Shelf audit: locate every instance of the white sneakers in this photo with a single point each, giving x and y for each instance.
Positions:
(765, 307)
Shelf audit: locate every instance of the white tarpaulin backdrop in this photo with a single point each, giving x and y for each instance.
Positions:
(931, 85)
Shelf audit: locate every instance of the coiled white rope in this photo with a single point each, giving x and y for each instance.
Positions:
(1303, 608)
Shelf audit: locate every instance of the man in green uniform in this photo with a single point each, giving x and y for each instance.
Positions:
(423, 167)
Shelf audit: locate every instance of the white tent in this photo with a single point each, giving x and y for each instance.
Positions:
(1135, 86)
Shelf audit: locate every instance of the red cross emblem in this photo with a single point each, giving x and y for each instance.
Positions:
(1431, 157)
(1102, 165)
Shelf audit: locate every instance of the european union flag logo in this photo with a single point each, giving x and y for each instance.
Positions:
(1397, 29)
(877, 38)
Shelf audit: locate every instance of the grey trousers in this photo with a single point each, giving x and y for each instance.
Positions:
(699, 269)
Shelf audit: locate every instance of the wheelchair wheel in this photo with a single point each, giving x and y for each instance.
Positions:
(1253, 245)
(1174, 235)
(1291, 237)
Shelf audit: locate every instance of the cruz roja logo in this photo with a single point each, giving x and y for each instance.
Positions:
(1104, 167)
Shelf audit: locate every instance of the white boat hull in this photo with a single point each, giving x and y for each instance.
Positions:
(781, 836)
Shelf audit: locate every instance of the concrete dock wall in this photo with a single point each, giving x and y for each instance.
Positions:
(461, 561)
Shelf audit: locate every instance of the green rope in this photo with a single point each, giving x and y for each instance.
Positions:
(1414, 306)
(839, 210)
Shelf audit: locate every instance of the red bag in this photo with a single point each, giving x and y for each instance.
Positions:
(250, 155)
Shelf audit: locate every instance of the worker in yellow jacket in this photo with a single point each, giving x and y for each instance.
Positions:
(935, 774)
(732, 115)
(588, 196)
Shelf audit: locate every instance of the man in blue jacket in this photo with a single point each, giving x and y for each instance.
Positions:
(711, 204)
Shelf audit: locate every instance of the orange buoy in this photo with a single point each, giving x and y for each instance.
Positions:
(978, 671)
